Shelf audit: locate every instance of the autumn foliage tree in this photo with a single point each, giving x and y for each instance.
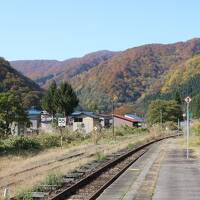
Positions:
(168, 110)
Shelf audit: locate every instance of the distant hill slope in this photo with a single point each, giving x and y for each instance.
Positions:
(43, 71)
(12, 80)
(132, 73)
(133, 76)
(184, 81)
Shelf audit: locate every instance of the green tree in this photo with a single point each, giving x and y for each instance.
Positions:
(178, 98)
(66, 99)
(93, 106)
(31, 98)
(168, 110)
(195, 106)
(11, 110)
(49, 99)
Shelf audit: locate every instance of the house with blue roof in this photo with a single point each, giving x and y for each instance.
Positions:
(34, 116)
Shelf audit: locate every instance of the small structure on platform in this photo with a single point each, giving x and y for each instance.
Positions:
(120, 120)
(85, 121)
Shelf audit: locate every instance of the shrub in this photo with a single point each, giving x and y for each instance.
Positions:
(17, 144)
(48, 140)
(24, 143)
(125, 130)
(170, 125)
(69, 136)
(196, 127)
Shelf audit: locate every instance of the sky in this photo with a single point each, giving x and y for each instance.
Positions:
(61, 29)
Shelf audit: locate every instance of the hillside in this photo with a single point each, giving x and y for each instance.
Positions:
(136, 76)
(132, 73)
(43, 71)
(12, 80)
(182, 81)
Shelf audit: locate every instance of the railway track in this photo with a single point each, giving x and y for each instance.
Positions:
(92, 184)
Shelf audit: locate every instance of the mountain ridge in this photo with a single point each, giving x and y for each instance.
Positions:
(129, 74)
(38, 69)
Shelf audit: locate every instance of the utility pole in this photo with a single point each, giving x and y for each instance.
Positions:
(178, 126)
(188, 100)
(161, 117)
(114, 98)
(113, 123)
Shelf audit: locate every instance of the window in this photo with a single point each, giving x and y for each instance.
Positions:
(76, 119)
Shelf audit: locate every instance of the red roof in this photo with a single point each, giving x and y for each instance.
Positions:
(125, 118)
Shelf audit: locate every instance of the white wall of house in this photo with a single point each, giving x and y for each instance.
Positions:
(17, 129)
(87, 125)
(47, 128)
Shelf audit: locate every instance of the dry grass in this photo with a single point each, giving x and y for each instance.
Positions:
(25, 172)
(194, 143)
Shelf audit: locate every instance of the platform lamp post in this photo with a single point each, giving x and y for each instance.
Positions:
(188, 100)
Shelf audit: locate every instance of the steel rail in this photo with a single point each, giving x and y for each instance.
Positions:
(66, 193)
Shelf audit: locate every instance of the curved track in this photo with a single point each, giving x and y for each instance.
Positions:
(93, 185)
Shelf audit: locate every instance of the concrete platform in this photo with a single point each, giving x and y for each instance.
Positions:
(127, 185)
(163, 173)
(179, 178)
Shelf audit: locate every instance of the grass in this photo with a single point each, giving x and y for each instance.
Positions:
(27, 145)
(23, 195)
(130, 146)
(100, 156)
(10, 164)
(52, 180)
(194, 138)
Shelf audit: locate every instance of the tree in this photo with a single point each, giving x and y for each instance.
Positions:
(178, 98)
(66, 99)
(11, 110)
(195, 106)
(169, 110)
(31, 98)
(93, 106)
(49, 99)
(61, 99)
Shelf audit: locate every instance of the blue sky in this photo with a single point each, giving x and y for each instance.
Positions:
(60, 29)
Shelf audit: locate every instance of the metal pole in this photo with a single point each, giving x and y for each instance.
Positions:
(188, 130)
(113, 125)
(178, 126)
(161, 119)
